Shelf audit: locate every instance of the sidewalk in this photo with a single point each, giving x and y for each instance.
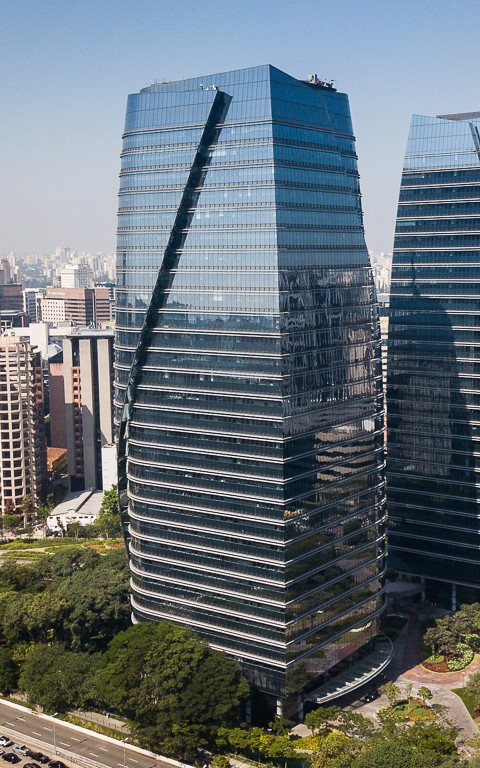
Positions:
(406, 669)
(407, 660)
(106, 720)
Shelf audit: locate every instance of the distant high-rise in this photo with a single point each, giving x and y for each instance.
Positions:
(76, 276)
(81, 306)
(247, 348)
(434, 359)
(12, 314)
(81, 418)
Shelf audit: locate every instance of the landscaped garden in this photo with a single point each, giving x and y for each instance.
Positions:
(404, 706)
(454, 640)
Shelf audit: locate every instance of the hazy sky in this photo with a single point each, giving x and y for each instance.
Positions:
(66, 67)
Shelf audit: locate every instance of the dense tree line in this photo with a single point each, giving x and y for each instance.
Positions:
(66, 641)
(77, 598)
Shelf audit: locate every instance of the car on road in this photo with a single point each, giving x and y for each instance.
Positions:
(11, 757)
(5, 741)
(371, 696)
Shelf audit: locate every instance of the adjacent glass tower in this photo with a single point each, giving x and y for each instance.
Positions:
(248, 381)
(434, 357)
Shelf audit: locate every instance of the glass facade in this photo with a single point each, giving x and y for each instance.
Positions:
(434, 354)
(248, 381)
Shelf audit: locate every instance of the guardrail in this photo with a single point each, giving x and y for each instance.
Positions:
(73, 757)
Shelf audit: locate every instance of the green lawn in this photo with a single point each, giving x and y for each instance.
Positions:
(467, 699)
(412, 711)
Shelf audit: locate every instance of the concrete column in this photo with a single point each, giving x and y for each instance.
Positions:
(300, 711)
(248, 711)
(279, 707)
(105, 388)
(69, 405)
(88, 414)
(454, 597)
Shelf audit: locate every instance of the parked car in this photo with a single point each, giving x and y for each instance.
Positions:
(11, 757)
(56, 764)
(31, 765)
(21, 750)
(5, 741)
(371, 696)
(40, 758)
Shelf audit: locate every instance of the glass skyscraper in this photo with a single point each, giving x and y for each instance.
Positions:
(248, 382)
(433, 465)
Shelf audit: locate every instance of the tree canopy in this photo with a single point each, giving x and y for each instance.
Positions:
(176, 688)
(76, 597)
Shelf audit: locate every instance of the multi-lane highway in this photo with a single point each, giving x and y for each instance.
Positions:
(72, 745)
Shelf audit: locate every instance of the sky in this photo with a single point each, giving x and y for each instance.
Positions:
(67, 66)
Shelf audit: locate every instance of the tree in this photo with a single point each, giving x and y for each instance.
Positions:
(467, 619)
(336, 750)
(109, 521)
(424, 694)
(443, 636)
(8, 671)
(355, 724)
(38, 617)
(321, 719)
(176, 689)
(392, 692)
(280, 726)
(56, 679)
(98, 602)
(220, 761)
(409, 689)
(18, 577)
(27, 509)
(42, 513)
(394, 754)
(430, 737)
(11, 522)
(78, 598)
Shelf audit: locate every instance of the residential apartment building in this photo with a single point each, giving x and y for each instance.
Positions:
(23, 452)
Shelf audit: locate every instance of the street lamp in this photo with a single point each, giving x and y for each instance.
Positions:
(125, 753)
(54, 735)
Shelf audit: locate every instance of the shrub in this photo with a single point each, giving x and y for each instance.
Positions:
(462, 658)
(220, 761)
(473, 642)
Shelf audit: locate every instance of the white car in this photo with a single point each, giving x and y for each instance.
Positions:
(20, 750)
(5, 741)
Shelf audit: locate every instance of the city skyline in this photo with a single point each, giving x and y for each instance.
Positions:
(68, 67)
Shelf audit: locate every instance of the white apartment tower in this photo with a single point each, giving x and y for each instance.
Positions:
(76, 276)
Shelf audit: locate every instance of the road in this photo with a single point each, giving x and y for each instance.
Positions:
(71, 744)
